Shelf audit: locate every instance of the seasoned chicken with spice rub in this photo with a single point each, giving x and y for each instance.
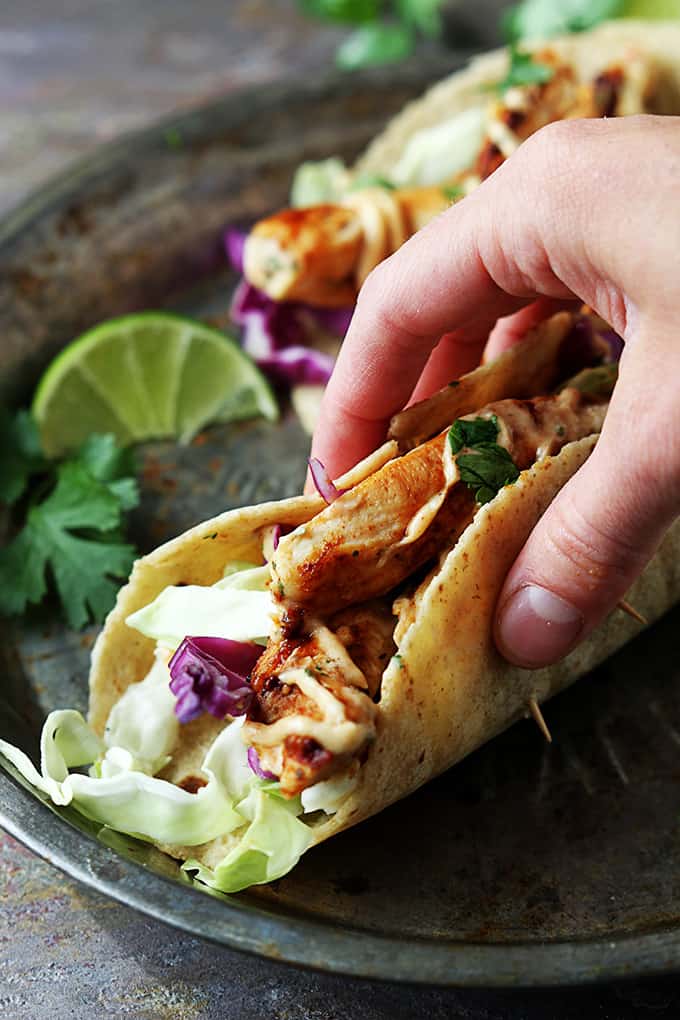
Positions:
(372, 537)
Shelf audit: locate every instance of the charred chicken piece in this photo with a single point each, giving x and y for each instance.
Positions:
(377, 534)
(314, 713)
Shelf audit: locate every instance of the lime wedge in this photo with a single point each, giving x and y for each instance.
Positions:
(147, 376)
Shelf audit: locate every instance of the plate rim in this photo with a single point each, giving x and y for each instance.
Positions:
(332, 948)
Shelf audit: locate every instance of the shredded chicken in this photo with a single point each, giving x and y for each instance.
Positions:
(314, 712)
(367, 631)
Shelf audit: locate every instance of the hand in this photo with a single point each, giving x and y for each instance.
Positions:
(584, 209)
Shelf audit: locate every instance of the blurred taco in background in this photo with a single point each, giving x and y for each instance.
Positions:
(303, 266)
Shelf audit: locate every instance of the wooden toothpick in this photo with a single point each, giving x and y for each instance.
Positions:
(535, 710)
(632, 611)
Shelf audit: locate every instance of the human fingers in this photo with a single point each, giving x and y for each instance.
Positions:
(563, 217)
(509, 330)
(604, 526)
(455, 275)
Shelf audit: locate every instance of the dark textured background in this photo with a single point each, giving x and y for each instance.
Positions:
(74, 73)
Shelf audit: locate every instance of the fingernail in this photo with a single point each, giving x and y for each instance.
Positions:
(537, 627)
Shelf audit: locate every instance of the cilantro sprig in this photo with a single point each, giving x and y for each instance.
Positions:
(20, 454)
(485, 467)
(70, 522)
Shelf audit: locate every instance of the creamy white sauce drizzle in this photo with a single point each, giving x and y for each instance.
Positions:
(423, 518)
(500, 134)
(382, 224)
(516, 98)
(334, 730)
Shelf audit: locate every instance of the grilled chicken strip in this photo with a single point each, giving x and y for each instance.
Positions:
(322, 254)
(550, 353)
(375, 535)
(315, 713)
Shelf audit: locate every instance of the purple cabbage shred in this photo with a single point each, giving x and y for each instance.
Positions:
(614, 345)
(586, 345)
(280, 336)
(322, 481)
(254, 762)
(209, 674)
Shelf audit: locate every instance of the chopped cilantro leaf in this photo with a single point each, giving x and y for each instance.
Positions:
(453, 192)
(486, 467)
(173, 138)
(471, 432)
(379, 42)
(486, 470)
(349, 11)
(112, 464)
(104, 459)
(82, 567)
(386, 30)
(540, 19)
(20, 454)
(524, 70)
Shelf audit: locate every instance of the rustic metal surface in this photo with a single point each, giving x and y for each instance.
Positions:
(68, 952)
(524, 862)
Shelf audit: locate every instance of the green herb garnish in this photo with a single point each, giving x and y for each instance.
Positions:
(524, 70)
(486, 467)
(72, 523)
(487, 470)
(473, 432)
(173, 138)
(453, 192)
(21, 455)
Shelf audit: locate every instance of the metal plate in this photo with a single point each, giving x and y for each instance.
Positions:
(525, 864)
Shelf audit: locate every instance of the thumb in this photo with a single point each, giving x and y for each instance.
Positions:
(603, 527)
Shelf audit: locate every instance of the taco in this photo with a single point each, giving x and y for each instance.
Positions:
(283, 671)
(303, 263)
